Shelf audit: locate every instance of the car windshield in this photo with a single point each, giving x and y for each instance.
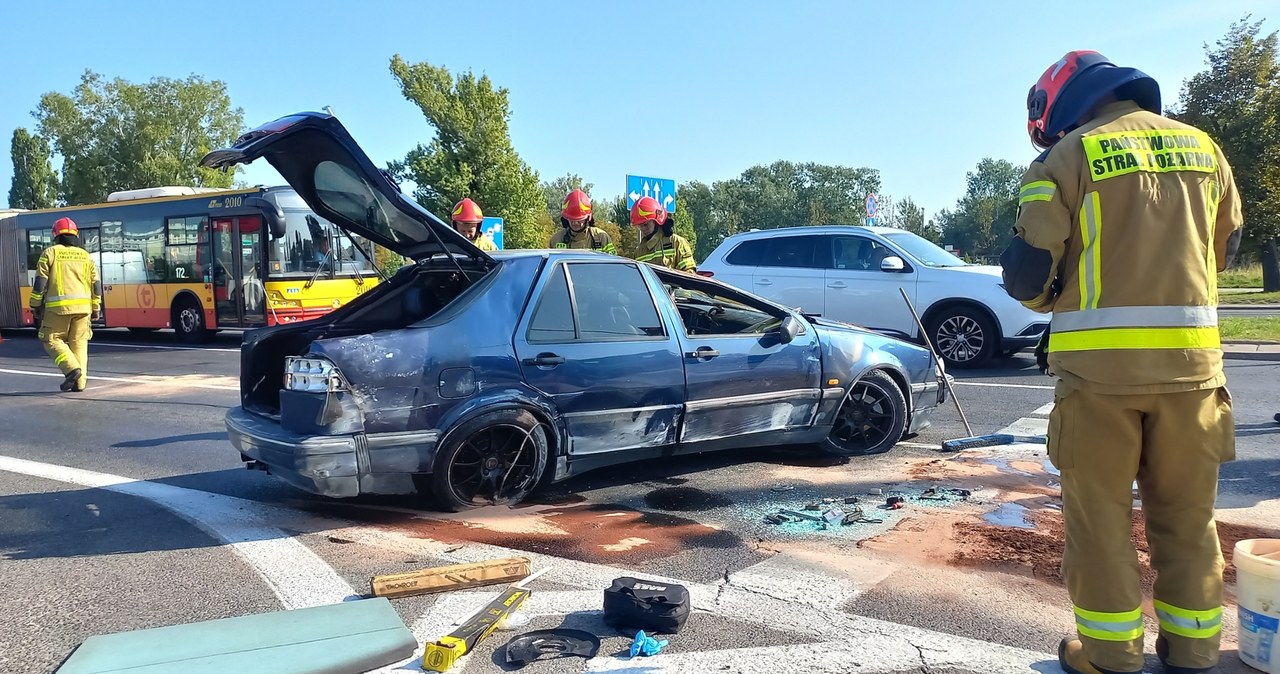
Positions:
(312, 243)
(925, 251)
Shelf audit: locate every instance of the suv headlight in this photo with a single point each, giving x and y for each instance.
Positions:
(312, 375)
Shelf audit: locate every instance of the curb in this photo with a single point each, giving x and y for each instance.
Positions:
(1251, 355)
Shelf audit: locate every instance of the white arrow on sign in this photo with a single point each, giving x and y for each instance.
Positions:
(667, 201)
(657, 192)
(646, 188)
(634, 197)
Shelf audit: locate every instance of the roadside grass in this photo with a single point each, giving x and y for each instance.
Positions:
(1249, 298)
(1261, 329)
(1241, 277)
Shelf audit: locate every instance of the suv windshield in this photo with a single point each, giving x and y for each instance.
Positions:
(925, 251)
(312, 243)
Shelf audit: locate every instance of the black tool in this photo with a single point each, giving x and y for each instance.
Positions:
(558, 643)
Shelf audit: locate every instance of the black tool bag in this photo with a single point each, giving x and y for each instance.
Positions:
(648, 605)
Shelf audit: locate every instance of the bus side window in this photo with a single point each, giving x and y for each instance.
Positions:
(183, 238)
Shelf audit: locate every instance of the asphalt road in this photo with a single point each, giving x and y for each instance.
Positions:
(117, 506)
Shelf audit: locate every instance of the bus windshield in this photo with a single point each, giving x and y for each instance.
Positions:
(312, 243)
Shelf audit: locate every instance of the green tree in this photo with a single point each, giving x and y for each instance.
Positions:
(1236, 100)
(982, 222)
(471, 155)
(115, 135)
(782, 194)
(35, 184)
(910, 216)
(684, 223)
(628, 236)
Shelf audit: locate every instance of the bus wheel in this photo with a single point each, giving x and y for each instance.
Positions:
(188, 321)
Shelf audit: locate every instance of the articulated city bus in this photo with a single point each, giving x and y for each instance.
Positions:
(194, 259)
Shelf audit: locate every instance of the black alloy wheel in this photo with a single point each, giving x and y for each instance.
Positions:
(871, 420)
(497, 459)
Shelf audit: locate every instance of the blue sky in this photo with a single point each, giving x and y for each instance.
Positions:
(685, 90)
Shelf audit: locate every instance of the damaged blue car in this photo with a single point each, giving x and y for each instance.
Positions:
(476, 377)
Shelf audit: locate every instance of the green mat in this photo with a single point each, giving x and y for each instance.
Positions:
(345, 638)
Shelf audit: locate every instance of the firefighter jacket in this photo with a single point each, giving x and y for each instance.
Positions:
(1122, 227)
(673, 252)
(590, 237)
(484, 243)
(66, 282)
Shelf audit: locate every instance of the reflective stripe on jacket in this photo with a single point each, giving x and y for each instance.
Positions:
(66, 282)
(590, 237)
(673, 252)
(1124, 225)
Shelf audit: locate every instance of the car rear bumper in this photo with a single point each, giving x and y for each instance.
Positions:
(339, 466)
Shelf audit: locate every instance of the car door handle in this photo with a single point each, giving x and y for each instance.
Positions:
(764, 282)
(703, 352)
(544, 360)
(837, 284)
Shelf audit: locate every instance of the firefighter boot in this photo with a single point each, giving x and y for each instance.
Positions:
(70, 380)
(1072, 657)
(1162, 651)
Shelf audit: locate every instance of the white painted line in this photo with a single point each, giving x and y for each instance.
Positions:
(1027, 426)
(921, 445)
(1043, 410)
(297, 576)
(119, 345)
(996, 385)
(300, 578)
(172, 382)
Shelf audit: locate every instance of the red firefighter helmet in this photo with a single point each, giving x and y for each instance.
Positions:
(65, 226)
(467, 211)
(577, 206)
(1070, 88)
(646, 209)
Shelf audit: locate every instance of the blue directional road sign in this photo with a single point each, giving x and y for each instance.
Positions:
(872, 205)
(493, 228)
(871, 221)
(662, 189)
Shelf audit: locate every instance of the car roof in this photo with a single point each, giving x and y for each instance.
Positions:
(552, 253)
(814, 229)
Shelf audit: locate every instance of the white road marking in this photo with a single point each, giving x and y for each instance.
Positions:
(119, 345)
(989, 384)
(1027, 426)
(921, 445)
(297, 576)
(171, 382)
(300, 578)
(1043, 410)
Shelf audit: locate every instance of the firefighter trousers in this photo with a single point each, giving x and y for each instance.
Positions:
(1172, 445)
(66, 340)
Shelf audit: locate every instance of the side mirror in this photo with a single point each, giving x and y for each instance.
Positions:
(893, 263)
(789, 329)
(273, 214)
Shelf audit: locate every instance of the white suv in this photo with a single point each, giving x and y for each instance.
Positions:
(852, 274)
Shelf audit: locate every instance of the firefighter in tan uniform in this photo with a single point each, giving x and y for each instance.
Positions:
(67, 296)
(579, 227)
(659, 244)
(467, 218)
(1123, 224)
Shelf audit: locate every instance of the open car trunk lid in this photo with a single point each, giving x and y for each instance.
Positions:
(322, 162)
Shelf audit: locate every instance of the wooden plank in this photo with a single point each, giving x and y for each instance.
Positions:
(453, 577)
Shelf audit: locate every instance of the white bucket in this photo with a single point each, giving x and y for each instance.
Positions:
(1258, 590)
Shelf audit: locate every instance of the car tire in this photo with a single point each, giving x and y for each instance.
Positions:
(474, 466)
(188, 322)
(871, 420)
(963, 336)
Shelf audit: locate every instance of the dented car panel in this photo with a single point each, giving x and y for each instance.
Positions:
(581, 359)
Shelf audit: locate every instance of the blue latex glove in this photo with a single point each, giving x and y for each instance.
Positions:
(646, 645)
